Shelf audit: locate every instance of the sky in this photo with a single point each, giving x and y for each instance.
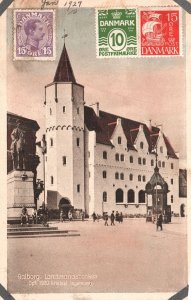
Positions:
(135, 88)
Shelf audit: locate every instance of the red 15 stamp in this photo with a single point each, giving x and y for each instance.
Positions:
(160, 32)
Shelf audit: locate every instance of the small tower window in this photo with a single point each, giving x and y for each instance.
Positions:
(78, 142)
(116, 175)
(51, 142)
(104, 174)
(104, 196)
(172, 166)
(117, 157)
(171, 198)
(64, 109)
(78, 188)
(104, 155)
(152, 162)
(139, 160)
(50, 111)
(131, 177)
(52, 179)
(139, 177)
(78, 110)
(122, 176)
(171, 181)
(144, 161)
(64, 160)
(141, 145)
(119, 140)
(131, 159)
(122, 157)
(144, 178)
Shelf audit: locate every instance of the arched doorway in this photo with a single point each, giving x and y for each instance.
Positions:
(119, 196)
(141, 196)
(131, 196)
(65, 205)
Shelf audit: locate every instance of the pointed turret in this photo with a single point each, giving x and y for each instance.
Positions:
(64, 72)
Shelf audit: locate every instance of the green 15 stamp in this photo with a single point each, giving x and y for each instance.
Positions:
(116, 32)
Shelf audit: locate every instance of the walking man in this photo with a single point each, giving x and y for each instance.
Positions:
(112, 217)
(159, 221)
(106, 219)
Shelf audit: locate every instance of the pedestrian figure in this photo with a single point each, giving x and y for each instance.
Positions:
(106, 219)
(83, 215)
(117, 216)
(24, 215)
(112, 217)
(159, 222)
(121, 218)
(34, 216)
(70, 215)
(61, 216)
(94, 216)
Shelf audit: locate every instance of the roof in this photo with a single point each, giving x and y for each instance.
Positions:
(105, 124)
(64, 72)
(13, 118)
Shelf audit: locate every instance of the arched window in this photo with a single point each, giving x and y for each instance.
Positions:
(144, 178)
(131, 159)
(122, 157)
(139, 177)
(104, 196)
(163, 164)
(152, 162)
(51, 142)
(104, 155)
(141, 196)
(104, 174)
(116, 175)
(52, 179)
(117, 157)
(131, 177)
(141, 145)
(119, 196)
(122, 176)
(139, 160)
(119, 140)
(131, 196)
(144, 161)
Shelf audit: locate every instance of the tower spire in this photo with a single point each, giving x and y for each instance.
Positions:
(64, 72)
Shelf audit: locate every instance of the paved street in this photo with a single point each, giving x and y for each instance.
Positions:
(128, 257)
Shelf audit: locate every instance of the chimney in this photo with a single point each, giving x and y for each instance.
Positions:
(160, 127)
(118, 121)
(97, 109)
(149, 124)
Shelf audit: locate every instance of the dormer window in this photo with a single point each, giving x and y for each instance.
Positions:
(141, 145)
(161, 149)
(119, 140)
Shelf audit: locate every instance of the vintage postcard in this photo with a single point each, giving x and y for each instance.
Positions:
(95, 172)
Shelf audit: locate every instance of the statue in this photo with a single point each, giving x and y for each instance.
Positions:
(18, 148)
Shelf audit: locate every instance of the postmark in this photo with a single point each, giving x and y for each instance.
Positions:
(34, 34)
(116, 32)
(160, 32)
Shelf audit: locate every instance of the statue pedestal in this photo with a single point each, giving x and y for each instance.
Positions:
(20, 192)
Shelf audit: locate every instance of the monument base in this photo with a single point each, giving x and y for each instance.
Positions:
(20, 192)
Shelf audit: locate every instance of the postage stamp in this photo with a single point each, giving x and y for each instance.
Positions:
(116, 32)
(34, 36)
(160, 32)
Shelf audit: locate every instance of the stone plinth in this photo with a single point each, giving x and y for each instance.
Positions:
(20, 192)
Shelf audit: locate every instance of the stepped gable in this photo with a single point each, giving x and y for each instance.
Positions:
(105, 124)
(64, 72)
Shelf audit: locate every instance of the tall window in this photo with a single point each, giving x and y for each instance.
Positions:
(78, 142)
(119, 196)
(152, 162)
(131, 177)
(104, 196)
(122, 157)
(64, 109)
(52, 179)
(117, 157)
(119, 140)
(131, 159)
(163, 164)
(144, 178)
(122, 176)
(171, 198)
(171, 181)
(141, 196)
(139, 177)
(64, 160)
(144, 161)
(78, 110)
(172, 166)
(104, 174)
(51, 142)
(139, 160)
(116, 175)
(78, 188)
(141, 145)
(104, 155)
(131, 196)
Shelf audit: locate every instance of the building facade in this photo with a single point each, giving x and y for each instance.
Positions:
(99, 161)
